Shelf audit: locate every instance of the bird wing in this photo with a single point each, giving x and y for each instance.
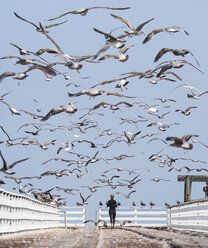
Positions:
(134, 135)
(126, 135)
(66, 13)
(175, 139)
(107, 56)
(139, 28)
(4, 163)
(50, 38)
(105, 34)
(33, 115)
(6, 74)
(17, 162)
(25, 20)
(52, 112)
(151, 34)
(5, 132)
(87, 197)
(124, 21)
(125, 103)
(100, 7)
(162, 52)
(105, 82)
(103, 49)
(133, 191)
(205, 92)
(108, 92)
(76, 94)
(55, 24)
(186, 62)
(189, 136)
(191, 107)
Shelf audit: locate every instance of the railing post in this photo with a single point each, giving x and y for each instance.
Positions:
(65, 220)
(135, 215)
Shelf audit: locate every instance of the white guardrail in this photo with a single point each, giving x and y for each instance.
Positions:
(192, 215)
(72, 217)
(21, 213)
(149, 217)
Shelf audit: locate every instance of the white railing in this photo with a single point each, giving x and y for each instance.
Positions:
(72, 217)
(19, 213)
(191, 215)
(154, 217)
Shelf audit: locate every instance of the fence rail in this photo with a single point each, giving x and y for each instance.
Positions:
(19, 213)
(155, 217)
(191, 215)
(72, 217)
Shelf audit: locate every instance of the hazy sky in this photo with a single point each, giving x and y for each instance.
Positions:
(77, 37)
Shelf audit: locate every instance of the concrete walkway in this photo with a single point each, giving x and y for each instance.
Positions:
(124, 237)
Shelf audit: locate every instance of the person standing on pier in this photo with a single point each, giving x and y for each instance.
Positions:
(112, 204)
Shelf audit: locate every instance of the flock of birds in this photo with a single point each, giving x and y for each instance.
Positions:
(89, 124)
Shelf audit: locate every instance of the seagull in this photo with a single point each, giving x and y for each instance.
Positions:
(21, 51)
(70, 109)
(133, 31)
(38, 28)
(84, 201)
(182, 142)
(163, 100)
(170, 30)
(130, 140)
(142, 204)
(100, 204)
(152, 204)
(195, 96)
(116, 44)
(186, 111)
(126, 196)
(167, 205)
(6, 167)
(84, 11)
(176, 52)
(134, 204)
(159, 179)
(95, 222)
(12, 109)
(121, 56)
(97, 92)
(122, 83)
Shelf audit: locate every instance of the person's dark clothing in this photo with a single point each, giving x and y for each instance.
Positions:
(112, 204)
(112, 217)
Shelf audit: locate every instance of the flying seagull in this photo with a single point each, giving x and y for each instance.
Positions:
(70, 109)
(176, 52)
(38, 28)
(133, 31)
(97, 92)
(6, 167)
(182, 142)
(170, 30)
(84, 11)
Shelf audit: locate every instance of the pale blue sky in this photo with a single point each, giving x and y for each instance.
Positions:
(76, 37)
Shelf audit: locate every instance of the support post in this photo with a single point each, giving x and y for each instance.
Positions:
(187, 189)
(65, 220)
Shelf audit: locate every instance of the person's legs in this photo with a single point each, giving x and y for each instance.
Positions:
(114, 217)
(111, 218)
